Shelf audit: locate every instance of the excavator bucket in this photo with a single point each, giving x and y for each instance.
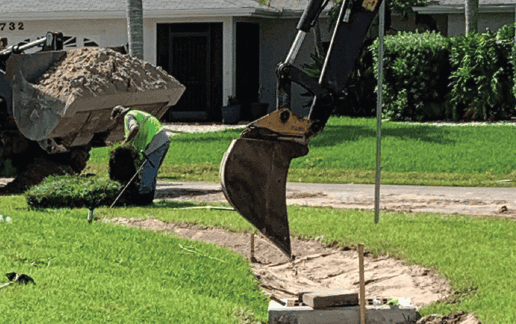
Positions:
(254, 177)
(75, 118)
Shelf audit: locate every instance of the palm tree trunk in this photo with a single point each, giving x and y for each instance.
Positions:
(135, 27)
(471, 15)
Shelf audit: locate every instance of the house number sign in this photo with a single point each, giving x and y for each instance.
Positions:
(11, 26)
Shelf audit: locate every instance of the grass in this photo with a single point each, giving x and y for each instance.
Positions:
(475, 254)
(345, 152)
(101, 273)
(106, 273)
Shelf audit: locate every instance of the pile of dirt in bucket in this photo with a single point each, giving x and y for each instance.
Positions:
(92, 71)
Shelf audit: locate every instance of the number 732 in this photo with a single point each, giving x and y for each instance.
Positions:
(11, 26)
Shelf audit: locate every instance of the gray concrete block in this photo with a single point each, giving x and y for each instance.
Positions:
(325, 297)
(403, 314)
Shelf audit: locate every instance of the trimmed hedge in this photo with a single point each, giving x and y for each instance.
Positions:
(430, 77)
(416, 70)
(72, 191)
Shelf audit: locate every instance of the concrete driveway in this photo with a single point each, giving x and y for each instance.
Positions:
(449, 200)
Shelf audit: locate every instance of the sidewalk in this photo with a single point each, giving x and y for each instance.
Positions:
(449, 200)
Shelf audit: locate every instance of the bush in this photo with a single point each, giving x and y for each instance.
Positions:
(482, 78)
(415, 75)
(73, 192)
(505, 37)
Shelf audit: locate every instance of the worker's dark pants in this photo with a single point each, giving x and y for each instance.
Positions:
(149, 174)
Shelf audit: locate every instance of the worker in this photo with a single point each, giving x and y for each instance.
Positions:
(146, 134)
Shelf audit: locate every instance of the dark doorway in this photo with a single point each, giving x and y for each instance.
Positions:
(247, 65)
(192, 53)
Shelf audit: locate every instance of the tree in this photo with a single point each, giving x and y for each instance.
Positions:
(471, 14)
(135, 27)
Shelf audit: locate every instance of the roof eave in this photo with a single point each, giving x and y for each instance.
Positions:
(459, 9)
(196, 13)
(113, 14)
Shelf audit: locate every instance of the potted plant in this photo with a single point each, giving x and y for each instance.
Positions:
(231, 112)
(259, 109)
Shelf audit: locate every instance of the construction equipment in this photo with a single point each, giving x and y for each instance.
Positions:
(254, 169)
(49, 122)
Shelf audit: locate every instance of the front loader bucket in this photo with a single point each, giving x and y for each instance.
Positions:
(74, 119)
(254, 177)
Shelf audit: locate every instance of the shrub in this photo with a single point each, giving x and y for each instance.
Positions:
(415, 75)
(482, 78)
(72, 191)
(505, 37)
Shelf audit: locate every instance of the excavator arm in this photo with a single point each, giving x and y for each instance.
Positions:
(255, 167)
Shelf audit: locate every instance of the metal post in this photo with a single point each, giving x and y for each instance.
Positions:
(379, 104)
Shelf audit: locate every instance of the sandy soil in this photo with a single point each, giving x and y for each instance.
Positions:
(91, 72)
(321, 266)
(315, 265)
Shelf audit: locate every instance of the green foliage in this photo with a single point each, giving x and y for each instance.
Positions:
(482, 78)
(506, 38)
(7, 169)
(415, 75)
(506, 34)
(431, 77)
(73, 192)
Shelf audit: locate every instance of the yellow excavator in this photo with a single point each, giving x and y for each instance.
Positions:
(254, 169)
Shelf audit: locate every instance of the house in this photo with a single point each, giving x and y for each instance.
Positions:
(216, 48)
(448, 16)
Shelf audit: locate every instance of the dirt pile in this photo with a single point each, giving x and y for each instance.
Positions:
(92, 72)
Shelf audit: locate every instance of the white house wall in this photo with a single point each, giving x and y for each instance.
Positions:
(493, 21)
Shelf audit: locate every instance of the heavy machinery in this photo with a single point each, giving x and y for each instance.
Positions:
(254, 169)
(41, 133)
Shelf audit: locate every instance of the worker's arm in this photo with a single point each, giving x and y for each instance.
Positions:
(133, 130)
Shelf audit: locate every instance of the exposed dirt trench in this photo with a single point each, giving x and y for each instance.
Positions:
(320, 266)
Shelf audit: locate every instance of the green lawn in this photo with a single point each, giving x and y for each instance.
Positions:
(101, 273)
(475, 254)
(107, 273)
(345, 152)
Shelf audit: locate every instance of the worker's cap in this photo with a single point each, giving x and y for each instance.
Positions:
(117, 111)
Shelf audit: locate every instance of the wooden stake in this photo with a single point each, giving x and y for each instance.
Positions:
(252, 248)
(362, 284)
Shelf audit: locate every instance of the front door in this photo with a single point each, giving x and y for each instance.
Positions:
(191, 53)
(189, 62)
